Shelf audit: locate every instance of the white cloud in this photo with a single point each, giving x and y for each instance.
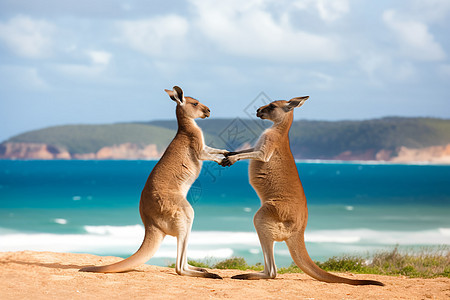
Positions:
(28, 37)
(257, 29)
(159, 36)
(96, 66)
(414, 39)
(227, 73)
(79, 71)
(381, 69)
(249, 29)
(371, 63)
(100, 57)
(321, 80)
(432, 10)
(331, 10)
(23, 78)
(328, 10)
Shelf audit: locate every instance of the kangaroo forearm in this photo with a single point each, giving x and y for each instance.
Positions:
(243, 151)
(204, 155)
(211, 150)
(256, 155)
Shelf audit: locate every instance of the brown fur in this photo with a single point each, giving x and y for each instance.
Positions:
(283, 214)
(163, 207)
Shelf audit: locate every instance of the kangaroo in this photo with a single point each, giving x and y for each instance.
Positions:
(163, 206)
(283, 213)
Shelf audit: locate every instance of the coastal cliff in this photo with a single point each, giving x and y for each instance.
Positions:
(44, 151)
(32, 151)
(397, 140)
(434, 154)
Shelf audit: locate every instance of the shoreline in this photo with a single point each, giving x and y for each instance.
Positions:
(55, 275)
(301, 161)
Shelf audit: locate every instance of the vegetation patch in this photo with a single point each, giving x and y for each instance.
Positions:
(423, 263)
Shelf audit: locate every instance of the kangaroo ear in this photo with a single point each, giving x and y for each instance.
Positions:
(295, 102)
(176, 95)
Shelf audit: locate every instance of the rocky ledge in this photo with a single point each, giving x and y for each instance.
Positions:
(44, 151)
(434, 154)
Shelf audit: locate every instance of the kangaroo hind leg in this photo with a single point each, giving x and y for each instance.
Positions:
(267, 242)
(182, 267)
(190, 267)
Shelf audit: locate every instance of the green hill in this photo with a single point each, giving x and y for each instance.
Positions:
(91, 138)
(323, 139)
(309, 139)
(317, 139)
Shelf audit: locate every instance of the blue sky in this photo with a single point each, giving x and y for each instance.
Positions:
(104, 61)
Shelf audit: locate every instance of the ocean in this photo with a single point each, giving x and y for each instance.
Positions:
(92, 207)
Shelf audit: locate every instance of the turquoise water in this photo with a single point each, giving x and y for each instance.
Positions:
(92, 207)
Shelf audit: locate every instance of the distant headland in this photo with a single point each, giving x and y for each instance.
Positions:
(393, 139)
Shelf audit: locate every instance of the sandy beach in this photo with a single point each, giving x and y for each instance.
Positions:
(49, 275)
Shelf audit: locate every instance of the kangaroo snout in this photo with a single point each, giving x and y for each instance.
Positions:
(206, 112)
(258, 112)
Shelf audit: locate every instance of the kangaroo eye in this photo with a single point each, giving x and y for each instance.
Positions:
(195, 104)
(271, 106)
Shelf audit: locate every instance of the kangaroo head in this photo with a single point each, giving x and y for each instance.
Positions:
(187, 106)
(276, 111)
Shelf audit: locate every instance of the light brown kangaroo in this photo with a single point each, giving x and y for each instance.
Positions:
(163, 207)
(283, 214)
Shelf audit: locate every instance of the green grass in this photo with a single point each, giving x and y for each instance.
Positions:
(424, 263)
(236, 263)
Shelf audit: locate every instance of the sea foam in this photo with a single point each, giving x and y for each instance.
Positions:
(221, 244)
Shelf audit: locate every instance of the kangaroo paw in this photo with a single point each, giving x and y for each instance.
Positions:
(197, 269)
(213, 276)
(252, 276)
(88, 269)
(241, 277)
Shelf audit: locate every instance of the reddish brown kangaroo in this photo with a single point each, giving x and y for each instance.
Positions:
(283, 214)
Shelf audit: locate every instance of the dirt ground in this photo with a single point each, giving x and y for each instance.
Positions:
(48, 275)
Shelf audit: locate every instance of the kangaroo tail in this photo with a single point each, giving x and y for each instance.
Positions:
(152, 239)
(296, 245)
